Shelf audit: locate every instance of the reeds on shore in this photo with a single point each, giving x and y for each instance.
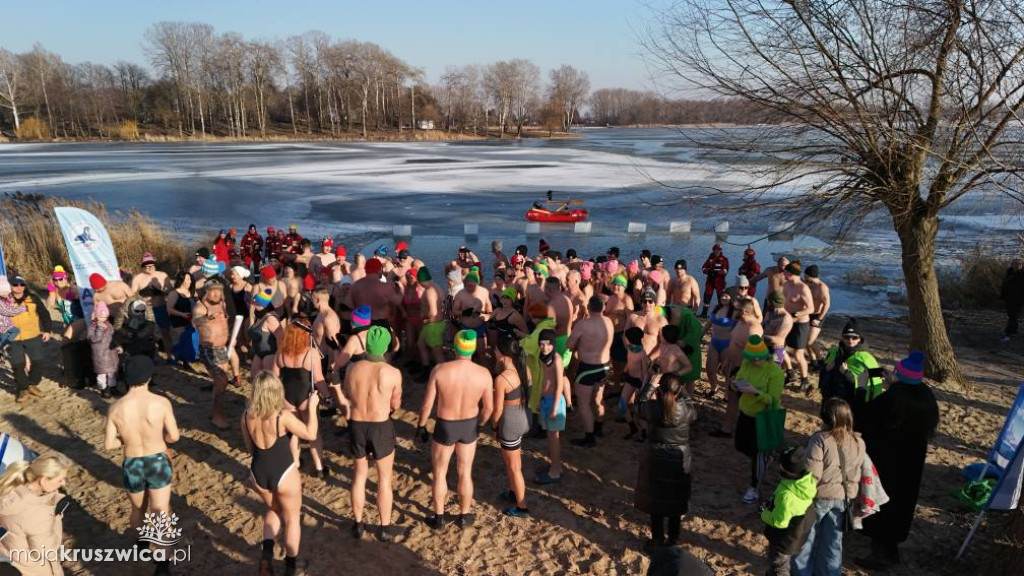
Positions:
(33, 243)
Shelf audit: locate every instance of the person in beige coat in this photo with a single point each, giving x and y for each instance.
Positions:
(834, 457)
(29, 493)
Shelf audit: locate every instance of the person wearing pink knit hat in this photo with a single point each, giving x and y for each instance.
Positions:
(897, 428)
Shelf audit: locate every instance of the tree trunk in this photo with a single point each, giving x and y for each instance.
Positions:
(928, 334)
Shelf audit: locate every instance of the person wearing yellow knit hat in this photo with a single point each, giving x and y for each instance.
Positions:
(759, 383)
(462, 390)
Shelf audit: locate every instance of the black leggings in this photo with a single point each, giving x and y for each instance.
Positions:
(1012, 317)
(658, 527)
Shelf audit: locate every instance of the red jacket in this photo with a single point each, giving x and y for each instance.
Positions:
(750, 269)
(718, 267)
(252, 245)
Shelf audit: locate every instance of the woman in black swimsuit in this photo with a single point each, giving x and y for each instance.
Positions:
(298, 366)
(271, 434)
(265, 329)
(179, 304)
(506, 320)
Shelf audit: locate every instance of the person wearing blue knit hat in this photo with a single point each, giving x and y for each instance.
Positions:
(897, 427)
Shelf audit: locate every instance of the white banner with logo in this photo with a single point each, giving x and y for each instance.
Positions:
(89, 249)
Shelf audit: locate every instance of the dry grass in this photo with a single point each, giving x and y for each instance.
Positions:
(975, 283)
(33, 243)
(33, 128)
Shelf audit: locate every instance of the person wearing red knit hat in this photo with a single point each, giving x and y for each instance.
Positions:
(375, 291)
(113, 292)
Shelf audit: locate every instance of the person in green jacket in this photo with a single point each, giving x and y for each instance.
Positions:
(760, 383)
(690, 333)
(851, 372)
(531, 347)
(787, 521)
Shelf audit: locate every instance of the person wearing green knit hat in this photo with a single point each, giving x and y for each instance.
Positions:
(430, 343)
(463, 391)
(373, 389)
(759, 383)
(542, 269)
(473, 305)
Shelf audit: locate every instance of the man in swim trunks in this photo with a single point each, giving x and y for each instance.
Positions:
(683, 289)
(534, 291)
(143, 424)
(560, 308)
(591, 340)
(777, 324)
(555, 399)
(373, 390)
(472, 307)
(376, 292)
(822, 302)
(210, 318)
(619, 306)
(578, 296)
(151, 277)
(326, 328)
(464, 402)
(800, 304)
(431, 340)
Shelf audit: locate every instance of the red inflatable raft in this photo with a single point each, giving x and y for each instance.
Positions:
(560, 212)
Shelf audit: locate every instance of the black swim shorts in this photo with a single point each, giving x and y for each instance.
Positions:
(375, 439)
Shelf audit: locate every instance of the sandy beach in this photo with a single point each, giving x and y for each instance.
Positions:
(586, 525)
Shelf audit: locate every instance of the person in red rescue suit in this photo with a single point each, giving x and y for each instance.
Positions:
(750, 268)
(716, 268)
(252, 248)
(294, 239)
(273, 245)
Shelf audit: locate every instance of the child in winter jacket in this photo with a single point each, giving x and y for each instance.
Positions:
(104, 354)
(790, 517)
(8, 310)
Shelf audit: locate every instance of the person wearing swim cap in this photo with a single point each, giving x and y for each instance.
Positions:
(472, 306)
(375, 291)
(142, 424)
(431, 338)
(800, 304)
(462, 390)
(618, 307)
(555, 400)
(373, 390)
(591, 341)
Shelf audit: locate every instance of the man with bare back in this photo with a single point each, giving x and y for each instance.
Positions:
(560, 308)
(822, 303)
(431, 341)
(464, 402)
(800, 304)
(374, 390)
(210, 318)
(143, 424)
(591, 340)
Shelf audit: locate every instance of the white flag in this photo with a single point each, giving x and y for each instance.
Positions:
(89, 249)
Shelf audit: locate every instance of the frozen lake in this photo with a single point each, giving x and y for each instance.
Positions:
(357, 192)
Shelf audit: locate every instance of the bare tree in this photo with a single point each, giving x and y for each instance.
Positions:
(901, 107)
(569, 89)
(10, 69)
(525, 88)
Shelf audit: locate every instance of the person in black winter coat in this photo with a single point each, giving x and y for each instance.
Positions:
(1013, 295)
(663, 478)
(138, 335)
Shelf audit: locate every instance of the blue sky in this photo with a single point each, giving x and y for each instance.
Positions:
(598, 36)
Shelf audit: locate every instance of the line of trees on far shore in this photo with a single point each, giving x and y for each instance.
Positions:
(200, 83)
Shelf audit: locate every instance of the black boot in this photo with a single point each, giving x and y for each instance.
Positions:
(599, 429)
(632, 431)
(290, 565)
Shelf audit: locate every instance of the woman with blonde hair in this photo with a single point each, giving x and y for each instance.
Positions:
(298, 366)
(271, 434)
(29, 494)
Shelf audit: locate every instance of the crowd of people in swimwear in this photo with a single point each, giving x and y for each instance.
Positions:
(513, 349)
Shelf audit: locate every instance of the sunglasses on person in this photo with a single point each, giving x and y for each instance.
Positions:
(851, 337)
(647, 301)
